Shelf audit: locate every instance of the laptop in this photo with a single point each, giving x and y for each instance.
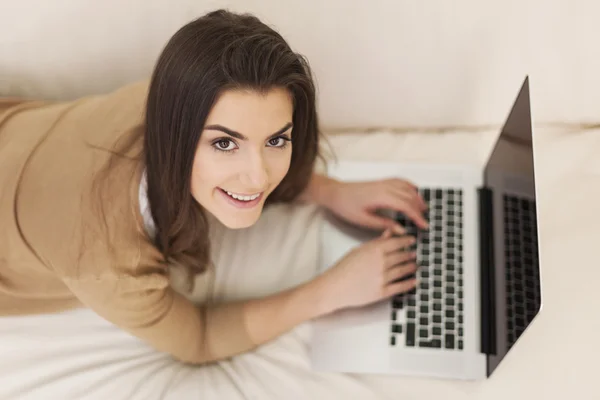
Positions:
(478, 278)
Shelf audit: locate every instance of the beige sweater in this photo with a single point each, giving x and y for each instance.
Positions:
(54, 252)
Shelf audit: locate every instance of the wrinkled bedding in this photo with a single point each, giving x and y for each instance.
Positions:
(77, 355)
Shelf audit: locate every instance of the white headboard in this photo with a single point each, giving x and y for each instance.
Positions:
(378, 63)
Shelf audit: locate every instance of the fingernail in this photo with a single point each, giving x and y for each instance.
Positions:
(399, 230)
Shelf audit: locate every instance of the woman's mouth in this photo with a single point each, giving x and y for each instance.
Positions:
(241, 200)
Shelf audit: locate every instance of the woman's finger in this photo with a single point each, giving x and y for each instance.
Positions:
(410, 189)
(395, 243)
(399, 287)
(401, 205)
(399, 257)
(387, 233)
(411, 196)
(400, 272)
(374, 221)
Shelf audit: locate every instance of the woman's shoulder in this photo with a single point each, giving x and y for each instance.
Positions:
(75, 197)
(83, 218)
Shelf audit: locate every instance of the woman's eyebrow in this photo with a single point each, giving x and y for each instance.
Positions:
(238, 135)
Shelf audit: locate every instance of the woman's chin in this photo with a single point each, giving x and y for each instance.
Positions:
(233, 222)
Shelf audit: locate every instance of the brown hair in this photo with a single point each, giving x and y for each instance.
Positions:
(214, 53)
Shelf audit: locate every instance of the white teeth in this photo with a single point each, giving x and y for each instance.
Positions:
(243, 198)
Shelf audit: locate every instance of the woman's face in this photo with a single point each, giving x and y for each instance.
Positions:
(244, 152)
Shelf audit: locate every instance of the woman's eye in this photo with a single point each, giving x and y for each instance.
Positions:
(277, 142)
(225, 144)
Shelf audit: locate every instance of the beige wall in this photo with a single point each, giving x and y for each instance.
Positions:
(398, 63)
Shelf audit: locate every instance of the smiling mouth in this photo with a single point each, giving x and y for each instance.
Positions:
(242, 197)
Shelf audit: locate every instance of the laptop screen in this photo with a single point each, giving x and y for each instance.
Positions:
(511, 282)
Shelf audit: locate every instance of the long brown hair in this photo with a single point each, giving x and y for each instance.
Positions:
(216, 52)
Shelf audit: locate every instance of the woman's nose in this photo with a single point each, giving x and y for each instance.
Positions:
(255, 175)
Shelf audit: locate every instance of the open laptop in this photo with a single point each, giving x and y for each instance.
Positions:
(478, 277)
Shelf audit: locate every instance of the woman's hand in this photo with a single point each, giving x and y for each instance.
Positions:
(368, 273)
(356, 202)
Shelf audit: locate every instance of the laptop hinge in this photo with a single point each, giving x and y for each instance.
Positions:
(488, 296)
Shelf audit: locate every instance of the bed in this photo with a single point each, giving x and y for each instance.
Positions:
(462, 54)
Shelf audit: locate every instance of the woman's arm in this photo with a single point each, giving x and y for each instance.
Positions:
(151, 310)
(272, 316)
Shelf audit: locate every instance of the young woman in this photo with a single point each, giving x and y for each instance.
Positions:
(229, 127)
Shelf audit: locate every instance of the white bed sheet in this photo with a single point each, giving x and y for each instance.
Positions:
(77, 355)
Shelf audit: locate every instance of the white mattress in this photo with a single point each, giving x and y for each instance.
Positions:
(77, 355)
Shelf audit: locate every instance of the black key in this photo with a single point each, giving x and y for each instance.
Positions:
(425, 344)
(449, 302)
(449, 313)
(423, 333)
(450, 326)
(397, 303)
(530, 296)
(437, 319)
(423, 321)
(411, 314)
(393, 341)
(460, 344)
(436, 343)
(437, 330)
(424, 309)
(449, 341)
(437, 306)
(397, 328)
(520, 310)
(519, 298)
(437, 295)
(410, 334)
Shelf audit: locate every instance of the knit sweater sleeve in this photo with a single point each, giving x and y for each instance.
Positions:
(147, 307)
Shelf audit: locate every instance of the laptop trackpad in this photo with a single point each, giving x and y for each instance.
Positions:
(359, 316)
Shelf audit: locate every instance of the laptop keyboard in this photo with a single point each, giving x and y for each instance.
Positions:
(522, 265)
(431, 315)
